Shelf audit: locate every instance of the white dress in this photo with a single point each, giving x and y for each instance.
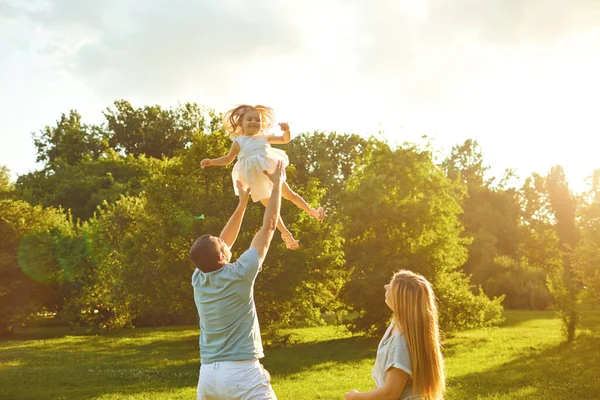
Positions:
(255, 156)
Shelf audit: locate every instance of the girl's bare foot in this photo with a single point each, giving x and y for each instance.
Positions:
(318, 214)
(289, 241)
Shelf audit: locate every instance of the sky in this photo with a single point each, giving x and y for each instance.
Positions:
(519, 76)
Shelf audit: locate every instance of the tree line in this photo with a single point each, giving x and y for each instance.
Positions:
(100, 235)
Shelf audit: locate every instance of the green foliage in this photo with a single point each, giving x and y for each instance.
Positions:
(70, 142)
(465, 164)
(460, 308)
(521, 285)
(82, 187)
(331, 158)
(4, 179)
(564, 290)
(31, 261)
(293, 286)
(587, 253)
(155, 132)
(562, 281)
(116, 242)
(139, 246)
(548, 237)
(126, 264)
(585, 264)
(490, 213)
(400, 211)
(6, 187)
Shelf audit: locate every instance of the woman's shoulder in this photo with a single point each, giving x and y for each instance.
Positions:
(399, 353)
(399, 340)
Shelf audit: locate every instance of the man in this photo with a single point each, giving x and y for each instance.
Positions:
(230, 342)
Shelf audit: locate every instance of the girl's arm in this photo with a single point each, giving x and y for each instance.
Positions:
(395, 382)
(283, 139)
(225, 160)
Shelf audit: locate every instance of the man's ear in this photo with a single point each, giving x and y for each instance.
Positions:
(223, 258)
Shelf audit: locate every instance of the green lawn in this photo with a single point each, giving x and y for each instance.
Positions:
(523, 359)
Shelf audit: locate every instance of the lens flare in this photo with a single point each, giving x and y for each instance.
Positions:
(35, 257)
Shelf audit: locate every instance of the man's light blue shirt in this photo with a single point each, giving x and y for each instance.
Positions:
(224, 298)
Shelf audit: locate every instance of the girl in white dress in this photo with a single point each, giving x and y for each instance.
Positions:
(248, 126)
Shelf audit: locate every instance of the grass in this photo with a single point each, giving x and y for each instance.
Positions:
(525, 358)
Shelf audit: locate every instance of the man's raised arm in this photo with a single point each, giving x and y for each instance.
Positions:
(230, 233)
(263, 237)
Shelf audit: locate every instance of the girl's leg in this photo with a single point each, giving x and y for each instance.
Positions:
(289, 194)
(286, 235)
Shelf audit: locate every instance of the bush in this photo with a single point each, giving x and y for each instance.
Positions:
(522, 286)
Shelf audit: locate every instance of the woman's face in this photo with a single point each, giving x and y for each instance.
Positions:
(388, 294)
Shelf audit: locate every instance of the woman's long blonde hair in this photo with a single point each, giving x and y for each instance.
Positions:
(416, 315)
(232, 120)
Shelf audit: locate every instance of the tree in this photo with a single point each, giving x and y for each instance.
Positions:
(490, 213)
(31, 266)
(587, 254)
(522, 285)
(538, 240)
(82, 187)
(140, 246)
(155, 132)
(400, 211)
(6, 187)
(466, 164)
(562, 281)
(331, 158)
(69, 142)
(548, 237)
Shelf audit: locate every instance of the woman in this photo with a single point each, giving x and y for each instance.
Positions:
(409, 363)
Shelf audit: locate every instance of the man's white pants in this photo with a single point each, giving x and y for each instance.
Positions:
(235, 380)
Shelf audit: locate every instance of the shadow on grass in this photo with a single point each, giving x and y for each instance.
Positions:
(590, 319)
(88, 366)
(319, 355)
(568, 371)
(465, 344)
(518, 317)
(46, 333)
(131, 362)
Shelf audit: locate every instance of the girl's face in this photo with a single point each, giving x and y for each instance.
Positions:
(388, 295)
(251, 123)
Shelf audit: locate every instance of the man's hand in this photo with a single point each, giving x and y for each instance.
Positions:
(244, 192)
(278, 175)
(350, 395)
(207, 162)
(284, 126)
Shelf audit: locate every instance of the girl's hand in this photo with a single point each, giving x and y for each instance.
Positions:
(350, 394)
(207, 162)
(284, 126)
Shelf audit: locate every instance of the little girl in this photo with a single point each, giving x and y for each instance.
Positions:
(247, 126)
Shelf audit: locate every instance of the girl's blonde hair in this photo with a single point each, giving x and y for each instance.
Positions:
(416, 315)
(232, 120)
